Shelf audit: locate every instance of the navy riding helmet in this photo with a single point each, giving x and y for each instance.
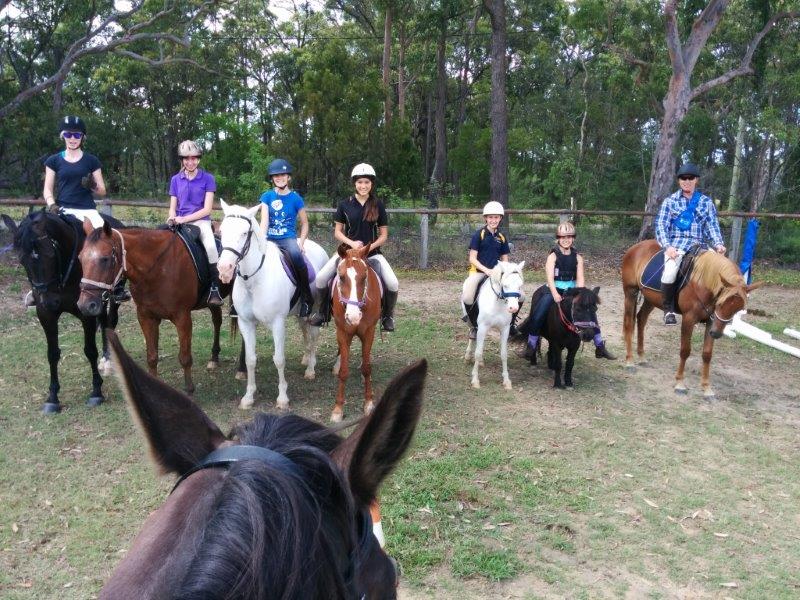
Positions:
(72, 123)
(279, 166)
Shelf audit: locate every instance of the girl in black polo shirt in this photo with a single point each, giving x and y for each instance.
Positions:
(361, 219)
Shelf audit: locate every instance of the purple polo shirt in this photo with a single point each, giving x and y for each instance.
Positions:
(191, 193)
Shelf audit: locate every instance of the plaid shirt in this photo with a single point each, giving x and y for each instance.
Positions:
(705, 225)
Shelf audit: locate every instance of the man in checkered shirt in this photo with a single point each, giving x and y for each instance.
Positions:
(678, 228)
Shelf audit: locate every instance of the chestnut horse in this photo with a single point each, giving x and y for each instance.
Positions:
(716, 291)
(356, 306)
(48, 246)
(163, 283)
(279, 510)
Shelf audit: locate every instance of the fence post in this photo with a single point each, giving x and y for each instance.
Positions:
(736, 239)
(423, 241)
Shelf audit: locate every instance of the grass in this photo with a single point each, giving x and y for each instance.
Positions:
(616, 488)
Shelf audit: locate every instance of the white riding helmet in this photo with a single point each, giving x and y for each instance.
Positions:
(493, 208)
(363, 170)
(189, 148)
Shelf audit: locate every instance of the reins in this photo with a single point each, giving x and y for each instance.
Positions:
(245, 249)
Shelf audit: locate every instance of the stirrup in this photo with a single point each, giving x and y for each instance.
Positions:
(121, 295)
(473, 333)
(214, 298)
(305, 310)
(670, 318)
(29, 301)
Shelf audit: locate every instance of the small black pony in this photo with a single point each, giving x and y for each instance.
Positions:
(48, 247)
(569, 322)
(280, 510)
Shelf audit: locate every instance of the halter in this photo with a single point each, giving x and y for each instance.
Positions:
(90, 284)
(346, 301)
(225, 457)
(502, 294)
(245, 249)
(573, 326)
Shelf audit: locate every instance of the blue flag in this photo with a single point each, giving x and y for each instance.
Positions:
(749, 250)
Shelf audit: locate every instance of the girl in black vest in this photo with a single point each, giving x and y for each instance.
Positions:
(564, 270)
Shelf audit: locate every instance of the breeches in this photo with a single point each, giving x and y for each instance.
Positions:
(671, 266)
(387, 274)
(88, 213)
(207, 238)
(470, 286)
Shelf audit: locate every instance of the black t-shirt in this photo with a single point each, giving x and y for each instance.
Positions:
(350, 213)
(69, 192)
(566, 268)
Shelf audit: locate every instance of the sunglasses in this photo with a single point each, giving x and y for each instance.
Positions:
(191, 158)
(72, 134)
(687, 177)
(571, 236)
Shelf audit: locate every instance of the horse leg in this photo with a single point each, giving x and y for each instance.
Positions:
(338, 364)
(90, 350)
(469, 354)
(50, 325)
(687, 325)
(708, 350)
(311, 339)
(641, 322)
(628, 321)
(556, 362)
(183, 323)
(279, 358)
(248, 331)
(241, 367)
(481, 338)
(366, 369)
(504, 356)
(216, 321)
(571, 352)
(108, 320)
(150, 327)
(344, 370)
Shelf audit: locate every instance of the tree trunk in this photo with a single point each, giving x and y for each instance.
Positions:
(387, 56)
(401, 84)
(498, 179)
(437, 181)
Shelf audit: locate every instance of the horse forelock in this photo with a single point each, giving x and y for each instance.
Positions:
(713, 270)
(270, 524)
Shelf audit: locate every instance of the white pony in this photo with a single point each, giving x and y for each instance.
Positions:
(262, 293)
(498, 299)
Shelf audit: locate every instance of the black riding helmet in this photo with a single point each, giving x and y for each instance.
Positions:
(688, 169)
(72, 123)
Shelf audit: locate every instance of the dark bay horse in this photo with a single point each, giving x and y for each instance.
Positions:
(163, 282)
(716, 291)
(356, 307)
(569, 322)
(48, 247)
(278, 511)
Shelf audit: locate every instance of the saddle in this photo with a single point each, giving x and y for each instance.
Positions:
(190, 236)
(291, 273)
(651, 275)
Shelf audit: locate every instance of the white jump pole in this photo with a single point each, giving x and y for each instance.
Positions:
(759, 335)
(792, 333)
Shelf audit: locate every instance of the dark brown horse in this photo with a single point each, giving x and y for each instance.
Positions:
(716, 291)
(163, 282)
(356, 301)
(48, 247)
(279, 511)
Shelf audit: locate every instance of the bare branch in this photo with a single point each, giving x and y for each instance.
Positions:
(673, 36)
(745, 67)
(627, 56)
(169, 60)
(702, 28)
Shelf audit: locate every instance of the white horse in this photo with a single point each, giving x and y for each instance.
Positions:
(498, 300)
(262, 293)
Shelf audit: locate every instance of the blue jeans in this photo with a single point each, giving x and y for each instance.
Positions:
(539, 315)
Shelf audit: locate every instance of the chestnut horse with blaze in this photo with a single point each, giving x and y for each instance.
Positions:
(163, 281)
(715, 292)
(356, 312)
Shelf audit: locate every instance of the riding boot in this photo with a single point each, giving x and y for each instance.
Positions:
(600, 350)
(472, 319)
(387, 315)
(214, 297)
(120, 293)
(322, 314)
(668, 303)
(306, 299)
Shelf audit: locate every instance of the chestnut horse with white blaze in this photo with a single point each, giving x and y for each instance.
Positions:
(356, 302)
(715, 292)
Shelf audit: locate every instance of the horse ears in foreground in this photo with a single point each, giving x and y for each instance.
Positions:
(225, 206)
(252, 212)
(521, 265)
(9, 222)
(180, 434)
(87, 226)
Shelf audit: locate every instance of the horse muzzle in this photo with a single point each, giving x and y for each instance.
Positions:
(715, 334)
(89, 304)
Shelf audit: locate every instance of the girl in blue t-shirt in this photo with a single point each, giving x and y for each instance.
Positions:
(281, 208)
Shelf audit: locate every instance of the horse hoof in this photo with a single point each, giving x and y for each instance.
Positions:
(282, 404)
(241, 375)
(310, 375)
(336, 416)
(681, 391)
(630, 367)
(94, 401)
(212, 365)
(507, 385)
(369, 407)
(569, 385)
(476, 385)
(644, 363)
(246, 403)
(51, 408)
(709, 395)
(304, 361)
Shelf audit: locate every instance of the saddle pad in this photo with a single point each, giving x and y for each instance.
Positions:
(651, 276)
(289, 268)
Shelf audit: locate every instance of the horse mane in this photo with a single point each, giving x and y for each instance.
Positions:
(261, 506)
(711, 268)
(26, 236)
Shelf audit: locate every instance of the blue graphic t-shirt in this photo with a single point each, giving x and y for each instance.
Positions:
(283, 209)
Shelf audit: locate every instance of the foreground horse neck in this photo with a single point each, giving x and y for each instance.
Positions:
(146, 249)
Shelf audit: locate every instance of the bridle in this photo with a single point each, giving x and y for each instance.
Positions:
(346, 301)
(227, 456)
(90, 285)
(567, 321)
(245, 248)
(62, 275)
(503, 294)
